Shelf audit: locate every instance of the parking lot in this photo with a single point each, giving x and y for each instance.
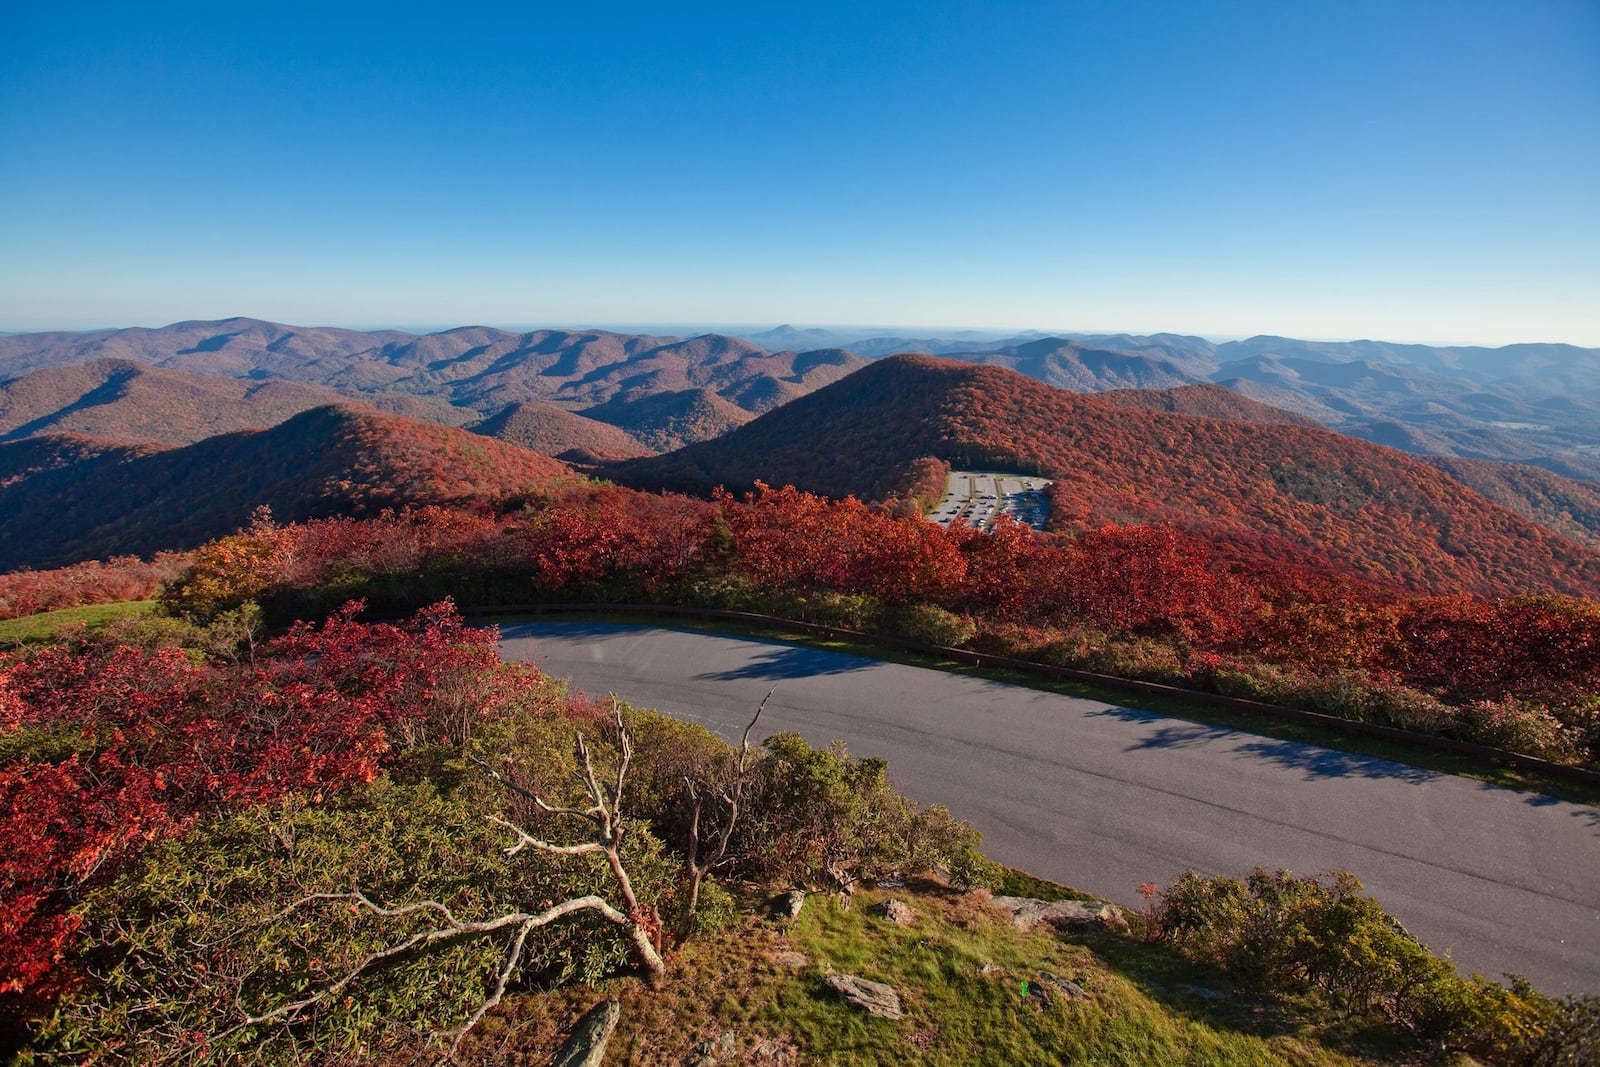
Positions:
(979, 498)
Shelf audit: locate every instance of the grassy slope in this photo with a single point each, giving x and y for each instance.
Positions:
(1147, 1006)
(46, 625)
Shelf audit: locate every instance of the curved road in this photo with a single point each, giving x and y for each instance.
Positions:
(1103, 798)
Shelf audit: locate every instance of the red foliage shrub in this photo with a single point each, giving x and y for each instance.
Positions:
(92, 582)
(786, 539)
(1154, 580)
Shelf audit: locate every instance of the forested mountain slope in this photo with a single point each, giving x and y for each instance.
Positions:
(64, 499)
(554, 431)
(128, 401)
(1264, 487)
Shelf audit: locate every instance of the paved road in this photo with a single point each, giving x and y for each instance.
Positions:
(1104, 798)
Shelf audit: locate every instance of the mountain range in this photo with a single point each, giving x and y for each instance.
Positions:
(1531, 403)
(455, 377)
(99, 432)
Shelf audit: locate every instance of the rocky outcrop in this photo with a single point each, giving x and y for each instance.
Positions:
(1026, 913)
(787, 905)
(896, 911)
(713, 1051)
(874, 998)
(587, 1045)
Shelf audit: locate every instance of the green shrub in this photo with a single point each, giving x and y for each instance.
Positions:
(1517, 725)
(823, 818)
(1279, 933)
(926, 623)
(205, 932)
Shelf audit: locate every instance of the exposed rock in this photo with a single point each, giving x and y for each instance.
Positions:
(874, 998)
(897, 912)
(772, 1052)
(990, 969)
(788, 905)
(587, 1045)
(1065, 986)
(714, 1050)
(1026, 913)
(791, 959)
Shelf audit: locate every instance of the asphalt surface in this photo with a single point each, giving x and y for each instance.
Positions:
(1103, 798)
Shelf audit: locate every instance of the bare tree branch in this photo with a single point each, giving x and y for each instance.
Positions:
(524, 840)
(452, 929)
(642, 926)
(732, 796)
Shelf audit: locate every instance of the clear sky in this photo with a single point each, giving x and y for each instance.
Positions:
(1415, 171)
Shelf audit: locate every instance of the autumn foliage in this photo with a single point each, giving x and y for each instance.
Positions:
(1140, 600)
(1334, 503)
(93, 582)
(122, 746)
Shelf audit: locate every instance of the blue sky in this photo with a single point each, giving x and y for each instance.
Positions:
(1397, 170)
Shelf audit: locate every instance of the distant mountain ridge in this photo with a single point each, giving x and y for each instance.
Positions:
(1528, 403)
(129, 401)
(480, 369)
(1274, 489)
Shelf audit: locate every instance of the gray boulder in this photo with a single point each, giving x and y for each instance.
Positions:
(586, 1047)
(788, 905)
(874, 998)
(897, 912)
(1026, 913)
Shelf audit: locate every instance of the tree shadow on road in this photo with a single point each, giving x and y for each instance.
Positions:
(787, 661)
(1315, 761)
(1165, 731)
(1585, 813)
(1319, 762)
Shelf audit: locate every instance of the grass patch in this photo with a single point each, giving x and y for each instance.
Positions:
(1412, 755)
(46, 625)
(960, 971)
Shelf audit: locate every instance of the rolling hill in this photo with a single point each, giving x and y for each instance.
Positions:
(665, 421)
(1209, 401)
(1565, 505)
(66, 498)
(128, 401)
(1268, 489)
(475, 367)
(553, 431)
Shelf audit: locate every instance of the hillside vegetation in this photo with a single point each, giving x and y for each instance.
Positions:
(364, 843)
(553, 431)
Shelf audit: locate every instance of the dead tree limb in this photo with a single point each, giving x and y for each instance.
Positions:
(604, 814)
(701, 860)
